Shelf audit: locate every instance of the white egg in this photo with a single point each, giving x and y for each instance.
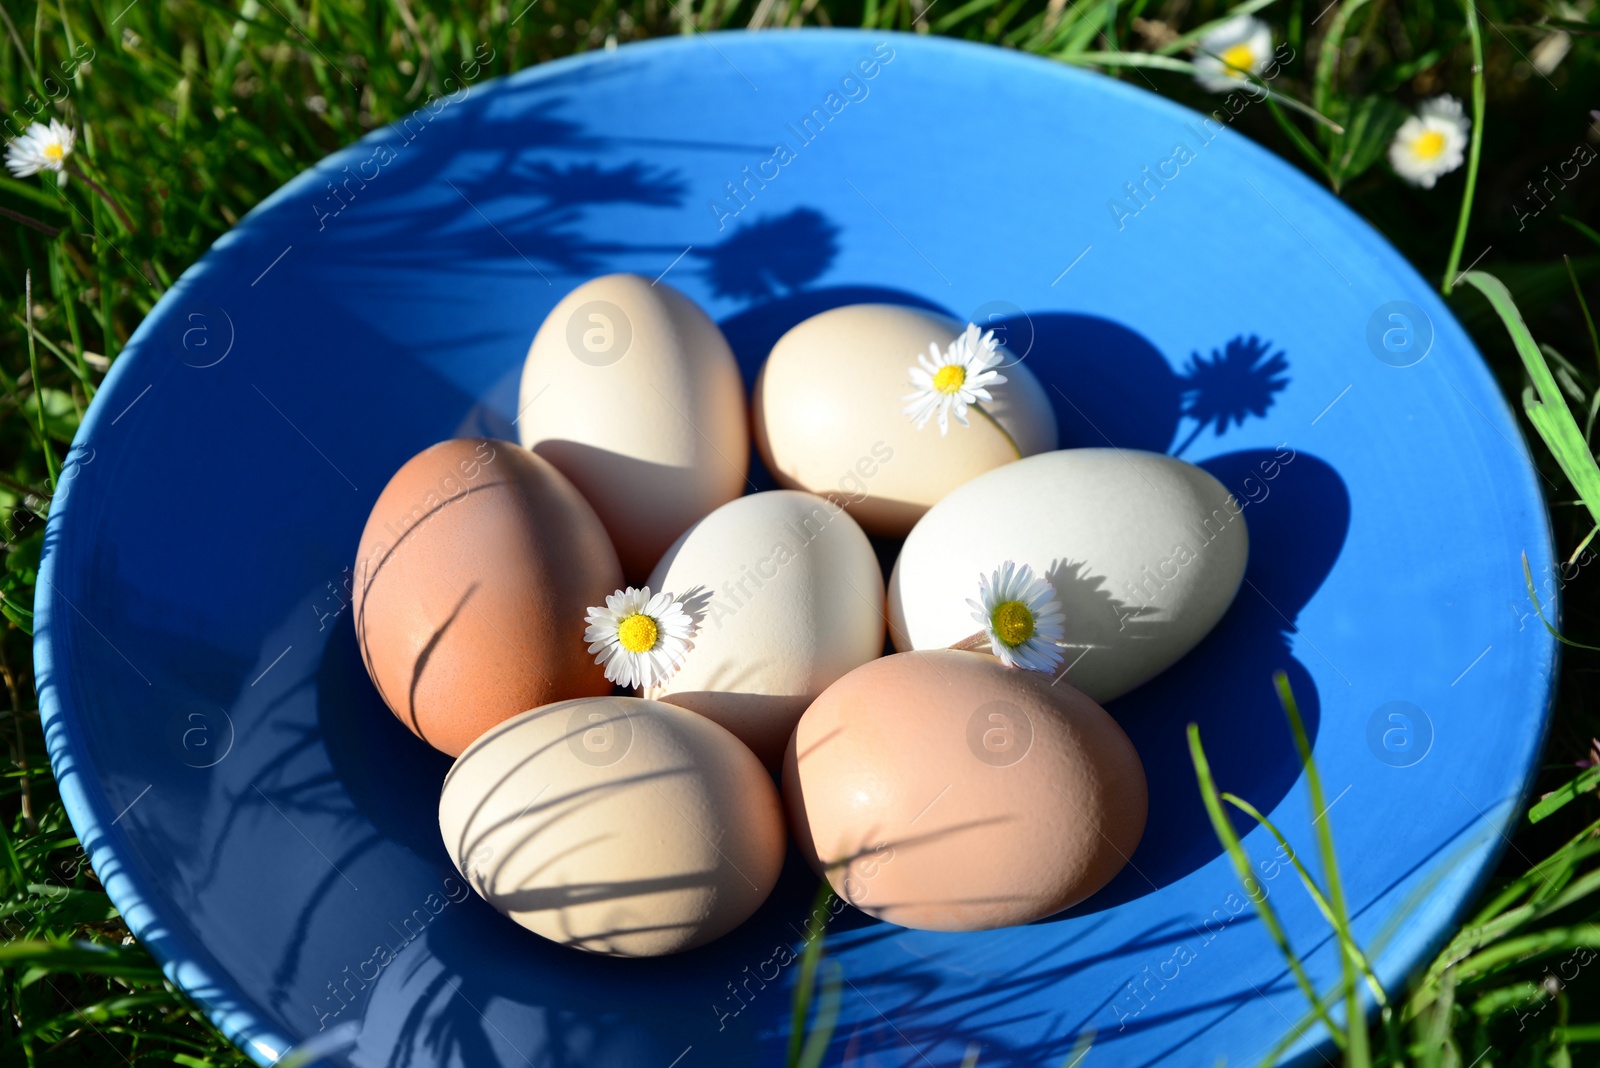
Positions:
(631, 391)
(791, 599)
(613, 825)
(1145, 553)
(828, 411)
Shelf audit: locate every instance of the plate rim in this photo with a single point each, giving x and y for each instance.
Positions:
(184, 958)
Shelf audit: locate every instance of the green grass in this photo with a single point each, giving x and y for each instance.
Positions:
(1459, 1010)
(191, 111)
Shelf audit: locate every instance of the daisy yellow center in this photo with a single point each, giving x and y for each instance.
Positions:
(1013, 622)
(1239, 57)
(637, 633)
(1429, 145)
(53, 150)
(949, 378)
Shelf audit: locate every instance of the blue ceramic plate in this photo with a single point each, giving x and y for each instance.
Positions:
(268, 828)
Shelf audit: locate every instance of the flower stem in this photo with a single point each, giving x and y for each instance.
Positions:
(1474, 148)
(1189, 440)
(976, 642)
(77, 172)
(1003, 432)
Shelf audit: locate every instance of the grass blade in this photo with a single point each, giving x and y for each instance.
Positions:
(1588, 320)
(1310, 884)
(1474, 146)
(33, 366)
(1328, 54)
(1127, 59)
(1182, 66)
(1558, 798)
(1549, 413)
(1252, 887)
(806, 981)
(1538, 610)
(1583, 228)
(1357, 1055)
(1182, 41)
(1301, 141)
(79, 957)
(1538, 944)
(821, 1032)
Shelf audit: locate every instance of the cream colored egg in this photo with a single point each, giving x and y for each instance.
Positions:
(631, 391)
(791, 598)
(828, 411)
(615, 825)
(1145, 553)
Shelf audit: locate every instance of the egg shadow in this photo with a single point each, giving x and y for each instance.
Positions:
(651, 485)
(1107, 383)
(471, 987)
(1298, 520)
(391, 776)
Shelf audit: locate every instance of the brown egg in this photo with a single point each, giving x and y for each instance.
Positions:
(472, 579)
(945, 791)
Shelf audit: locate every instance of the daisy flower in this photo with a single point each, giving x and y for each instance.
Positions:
(947, 382)
(1021, 616)
(1431, 142)
(1237, 48)
(40, 148)
(641, 640)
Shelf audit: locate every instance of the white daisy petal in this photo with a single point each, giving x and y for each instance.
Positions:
(1430, 143)
(1022, 617)
(631, 616)
(40, 148)
(966, 366)
(1232, 51)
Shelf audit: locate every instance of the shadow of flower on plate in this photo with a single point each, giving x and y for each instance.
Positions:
(1235, 383)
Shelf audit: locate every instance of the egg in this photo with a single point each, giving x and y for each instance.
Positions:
(633, 394)
(615, 825)
(828, 412)
(472, 578)
(1145, 552)
(948, 792)
(792, 599)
